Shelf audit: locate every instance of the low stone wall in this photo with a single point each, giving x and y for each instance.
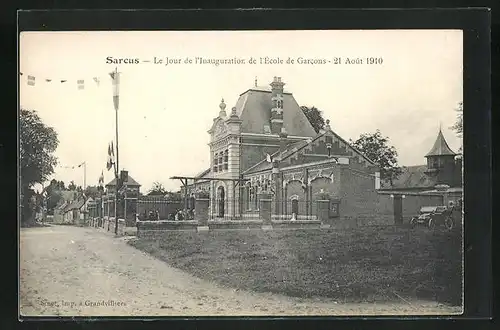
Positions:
(296, 224)
(167, 225)
(153, 228)
(235, 224)
(108, 224)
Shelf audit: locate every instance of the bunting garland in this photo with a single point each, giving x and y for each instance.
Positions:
(70, 167)
(80, 83)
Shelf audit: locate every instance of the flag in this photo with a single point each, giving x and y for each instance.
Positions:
(48, 80)
(63, 81)
(109, 164)
(115, 77)
(80, 84)
(31, 81)
(96, 79)
(112, 153)
(101, 178)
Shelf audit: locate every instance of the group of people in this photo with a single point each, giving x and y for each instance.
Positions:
(154, 215)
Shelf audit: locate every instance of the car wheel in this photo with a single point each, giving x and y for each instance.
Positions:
(448, 223)
(413, 222)
(431, 224)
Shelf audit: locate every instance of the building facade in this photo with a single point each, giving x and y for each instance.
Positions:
(266, 146)
(440, 176)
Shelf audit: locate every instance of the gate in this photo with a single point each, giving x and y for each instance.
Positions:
(398, 209)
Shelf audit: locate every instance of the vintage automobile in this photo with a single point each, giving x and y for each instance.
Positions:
(432, 216)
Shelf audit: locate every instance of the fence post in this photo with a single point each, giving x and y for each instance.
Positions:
(265, 207)
(201, 211)
(323, 210)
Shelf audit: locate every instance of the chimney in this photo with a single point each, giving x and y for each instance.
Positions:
(283, 140)
(124, 176)
(277, 105)
(277, 86)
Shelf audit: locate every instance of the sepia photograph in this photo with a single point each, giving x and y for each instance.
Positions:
(241, 173)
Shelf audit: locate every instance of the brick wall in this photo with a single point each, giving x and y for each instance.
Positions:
(357, 193)
(251, 155)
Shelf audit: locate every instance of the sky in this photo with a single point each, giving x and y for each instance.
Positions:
(166, 110)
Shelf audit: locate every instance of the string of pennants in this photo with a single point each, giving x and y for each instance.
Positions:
(32, 80)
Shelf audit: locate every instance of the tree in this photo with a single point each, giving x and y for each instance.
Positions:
(376, 147)
(53, 199)
(72, 185)
(61, 185)
(38, 142)
(174, 196)
(92, 191)
(315, 117)
(458, 126)
(53, 195)
(157, 190)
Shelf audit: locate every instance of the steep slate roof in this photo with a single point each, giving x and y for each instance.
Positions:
(412, 177)
(130, 182)
(440, 147)
(254, 109)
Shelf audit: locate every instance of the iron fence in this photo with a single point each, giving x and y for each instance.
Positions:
(158, 208)
(225, 210)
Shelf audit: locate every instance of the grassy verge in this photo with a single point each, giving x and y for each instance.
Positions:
(365, 264)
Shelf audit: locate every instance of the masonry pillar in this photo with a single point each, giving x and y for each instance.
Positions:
(265, 200)
(201, 210)
(323, 210)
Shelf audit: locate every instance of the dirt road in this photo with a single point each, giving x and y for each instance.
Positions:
(71, 271)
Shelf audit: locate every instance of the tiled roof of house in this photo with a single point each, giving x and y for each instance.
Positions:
(130, 182)
(293, 148)
(254, 109)
(440, 147)
(75, 205)
(412, 177)
(62, 206)
(203, 173)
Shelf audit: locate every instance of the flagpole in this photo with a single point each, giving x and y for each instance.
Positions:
(117, 158)
(84, 175)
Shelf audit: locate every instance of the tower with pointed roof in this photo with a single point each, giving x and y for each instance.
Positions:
(441, 161)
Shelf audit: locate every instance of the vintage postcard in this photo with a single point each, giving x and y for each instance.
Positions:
(241, 173)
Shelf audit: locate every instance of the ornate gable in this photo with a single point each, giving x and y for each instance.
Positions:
(325, 145)
(219, 129)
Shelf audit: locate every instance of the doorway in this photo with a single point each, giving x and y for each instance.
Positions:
(295, 207)
(221, 201)
(398, 209)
